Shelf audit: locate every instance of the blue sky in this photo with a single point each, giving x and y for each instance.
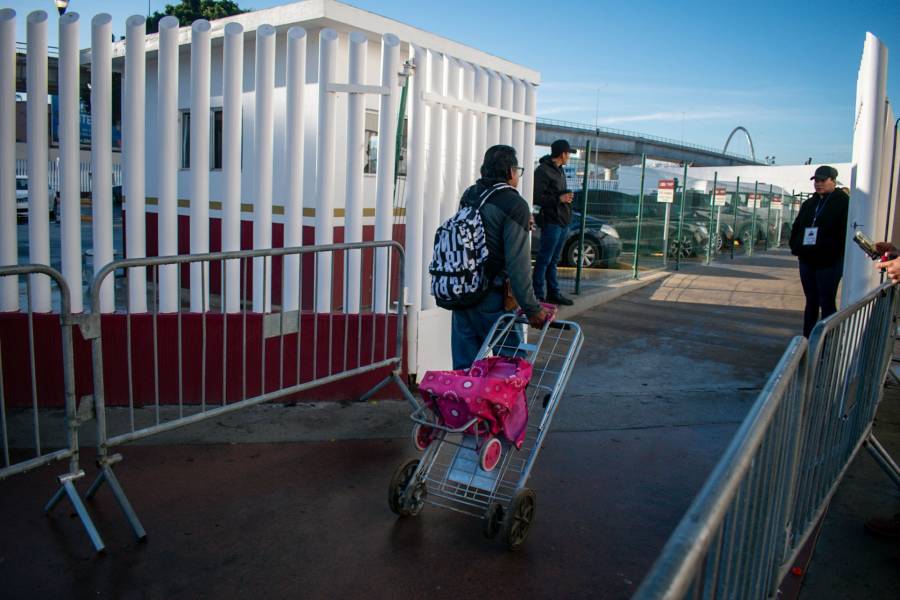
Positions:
(687, 70)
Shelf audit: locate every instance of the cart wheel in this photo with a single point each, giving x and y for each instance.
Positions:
(413, 500)
(422, 436)
(399, 482)
(492, 520)
(519, 519)
(490, 454)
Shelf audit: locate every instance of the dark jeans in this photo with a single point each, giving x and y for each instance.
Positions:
(470, 327)
(553, 237)
(820, 286)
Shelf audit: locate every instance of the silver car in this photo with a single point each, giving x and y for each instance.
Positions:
(22, 199)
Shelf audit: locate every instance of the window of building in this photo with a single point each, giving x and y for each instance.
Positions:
(185, 140)
(217, 139)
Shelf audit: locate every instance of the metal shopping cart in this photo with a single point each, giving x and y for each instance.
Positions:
(450, 473)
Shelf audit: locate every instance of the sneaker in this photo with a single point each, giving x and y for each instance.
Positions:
(888, 528)
(559, 299)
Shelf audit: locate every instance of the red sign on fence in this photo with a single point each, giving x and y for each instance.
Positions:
(721, 197)
(666, 191)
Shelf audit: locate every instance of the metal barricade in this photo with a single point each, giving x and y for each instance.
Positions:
(758, 508)
(155, 371)
(731, 540)
(29, 381)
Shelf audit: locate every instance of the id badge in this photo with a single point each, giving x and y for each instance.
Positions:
(809, 237)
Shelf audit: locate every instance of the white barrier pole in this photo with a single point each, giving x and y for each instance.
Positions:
(868, 204)
(356, 125)
(384, 176)
(528, 143)
(518, 127)
(434, 173)
(9, 286)
(133, 137)
(450, 198)
(200, 59)
(469, 126)
(293, 210)
(69, 148)
(506, 103)
(167, 159)
(328, 48)
(482, 85)
(232, 109)
(262, 151)
(101, 153)
(495, 86)
(38, 203)
(415, 180)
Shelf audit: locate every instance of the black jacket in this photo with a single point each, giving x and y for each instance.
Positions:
(832, 224)
(505, 217)
(549, 185)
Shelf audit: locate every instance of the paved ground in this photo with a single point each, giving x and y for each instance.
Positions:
(665, 377)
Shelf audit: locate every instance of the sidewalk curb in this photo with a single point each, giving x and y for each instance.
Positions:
(608, 294)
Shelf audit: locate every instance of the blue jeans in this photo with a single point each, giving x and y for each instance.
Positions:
(553, 238)
(470, 328)
(820, 286)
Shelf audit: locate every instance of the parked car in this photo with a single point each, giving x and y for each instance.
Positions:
(602, 246)
(22, 199)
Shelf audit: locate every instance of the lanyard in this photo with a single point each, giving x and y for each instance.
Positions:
(820, 207)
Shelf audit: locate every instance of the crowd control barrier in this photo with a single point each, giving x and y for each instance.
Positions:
(29, 368)
(755, 513)
(155, 372)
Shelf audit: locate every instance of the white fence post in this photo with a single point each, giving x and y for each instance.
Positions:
(482, 84)
(384, 176)
(528, 153)
(469, 131)
(9, 286)
(353, 211)
(495, 86)
(70, 166)
(200, 59)
(518, 127)
(38, 202)
(506, 103)
(434, 174)
(293, 210)
(450, 198)
(133, 156)
(328, 48)
(167, 157)
(262, 150)
(101, 153)
(232, 108)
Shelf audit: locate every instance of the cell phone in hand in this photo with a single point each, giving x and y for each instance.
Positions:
(866, 245)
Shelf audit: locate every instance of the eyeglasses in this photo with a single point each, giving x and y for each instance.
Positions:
(519, 170)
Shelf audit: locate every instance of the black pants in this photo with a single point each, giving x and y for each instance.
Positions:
(820, 286)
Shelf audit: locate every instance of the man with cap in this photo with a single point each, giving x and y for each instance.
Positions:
(817, 240)
(555, 201)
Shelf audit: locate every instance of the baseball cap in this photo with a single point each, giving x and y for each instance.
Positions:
(560, 146)
(825, 172)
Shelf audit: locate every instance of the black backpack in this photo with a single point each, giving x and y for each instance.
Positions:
(457, 268)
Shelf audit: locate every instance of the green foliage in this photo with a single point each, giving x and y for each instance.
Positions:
(188, 11)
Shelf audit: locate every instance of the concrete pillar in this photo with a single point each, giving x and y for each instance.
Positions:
(450, 197)
(528, 143)
(506, 103)
(293, 210)
(38, 201)
(384, 177)
(69, 163)
(167, 161)
(482, 85)
(232, 109)
(9, 286)
(101, 153)
(133, 151)
(434, 174)
(495, 85)
(356, 146)
(328, 48)
(468, 131)
(262, 167)
(200, 59)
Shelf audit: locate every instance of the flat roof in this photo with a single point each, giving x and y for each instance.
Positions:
(317, 14)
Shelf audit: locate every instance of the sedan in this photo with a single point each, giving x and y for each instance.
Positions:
(602, 246)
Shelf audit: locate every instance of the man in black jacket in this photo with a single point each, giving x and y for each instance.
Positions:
(555, 201)
(817, 239)
(505, 216)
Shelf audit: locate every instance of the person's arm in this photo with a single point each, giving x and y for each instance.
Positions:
(517, 248)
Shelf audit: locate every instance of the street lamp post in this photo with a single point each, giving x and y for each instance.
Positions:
(61, 6)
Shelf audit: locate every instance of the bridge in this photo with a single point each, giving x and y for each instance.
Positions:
(618, 146)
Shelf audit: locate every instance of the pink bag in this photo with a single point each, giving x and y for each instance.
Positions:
(492, 390)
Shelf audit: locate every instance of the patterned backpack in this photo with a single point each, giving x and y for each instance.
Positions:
(457, 272)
